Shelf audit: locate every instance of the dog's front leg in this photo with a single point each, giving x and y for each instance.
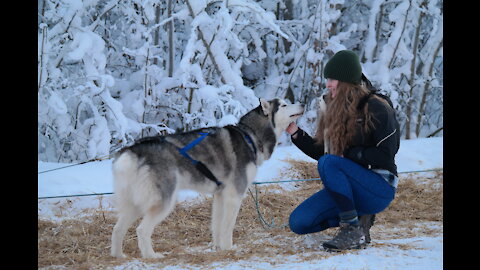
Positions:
(231, 206)
(217, 214)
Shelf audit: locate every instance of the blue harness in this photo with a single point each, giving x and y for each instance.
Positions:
(183, 151)
(199, 165)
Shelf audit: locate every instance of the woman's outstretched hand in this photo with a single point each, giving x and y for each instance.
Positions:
(292, 128)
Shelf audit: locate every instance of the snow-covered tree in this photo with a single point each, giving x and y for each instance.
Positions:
(112, 71)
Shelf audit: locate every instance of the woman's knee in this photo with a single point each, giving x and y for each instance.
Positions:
(300, 225)
(297, 223)
(327, 162)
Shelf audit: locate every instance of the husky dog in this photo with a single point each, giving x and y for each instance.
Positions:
(220, 161)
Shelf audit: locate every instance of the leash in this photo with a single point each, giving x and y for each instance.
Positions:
(265, 225)
(76, 164)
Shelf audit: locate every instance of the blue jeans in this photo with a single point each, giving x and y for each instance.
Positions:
(348, 186)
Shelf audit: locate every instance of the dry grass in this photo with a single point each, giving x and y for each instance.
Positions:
(185, 238)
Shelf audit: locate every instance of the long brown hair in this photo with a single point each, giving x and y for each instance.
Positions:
(340, 118)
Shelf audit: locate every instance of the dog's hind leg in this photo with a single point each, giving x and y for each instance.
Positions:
(126, 218)
(125, 172)
(155, 214)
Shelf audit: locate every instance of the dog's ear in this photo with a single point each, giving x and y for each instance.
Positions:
(265, 106)
(322, 104)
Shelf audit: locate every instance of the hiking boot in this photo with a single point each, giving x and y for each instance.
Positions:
(348, 237)
(366, 222)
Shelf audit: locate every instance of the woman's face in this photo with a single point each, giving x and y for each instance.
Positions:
(332, 86)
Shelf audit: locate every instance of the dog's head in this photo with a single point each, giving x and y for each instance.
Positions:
(280, 113)
(267, 122)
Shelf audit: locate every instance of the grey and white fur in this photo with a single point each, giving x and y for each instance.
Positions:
(149, 174)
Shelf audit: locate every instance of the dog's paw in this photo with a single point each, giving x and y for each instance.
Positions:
(224, 247)
(154, 255)
(119, 256)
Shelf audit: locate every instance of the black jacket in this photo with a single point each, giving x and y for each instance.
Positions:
(375, 150)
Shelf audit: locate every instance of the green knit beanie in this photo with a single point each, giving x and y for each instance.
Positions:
(344, 66)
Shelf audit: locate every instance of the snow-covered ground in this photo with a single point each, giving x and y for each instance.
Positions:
(425, 252)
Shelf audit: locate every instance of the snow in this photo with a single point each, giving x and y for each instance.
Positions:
(424, 252)
(86, 46)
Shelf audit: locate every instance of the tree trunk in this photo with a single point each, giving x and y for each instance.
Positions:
(156, 34)
(170, 40)
(411, 81)
(287, 15)
(377, 34)
(206, 45)
(42, 61)
(146, 100)
(426, 90)
(390, 65)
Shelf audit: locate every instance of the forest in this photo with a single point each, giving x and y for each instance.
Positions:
(113, 71)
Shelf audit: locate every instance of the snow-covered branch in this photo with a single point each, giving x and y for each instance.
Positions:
(111, 71)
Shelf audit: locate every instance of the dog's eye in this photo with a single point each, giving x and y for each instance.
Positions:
(283, 105)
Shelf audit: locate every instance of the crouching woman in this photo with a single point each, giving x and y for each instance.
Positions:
(355, 144)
